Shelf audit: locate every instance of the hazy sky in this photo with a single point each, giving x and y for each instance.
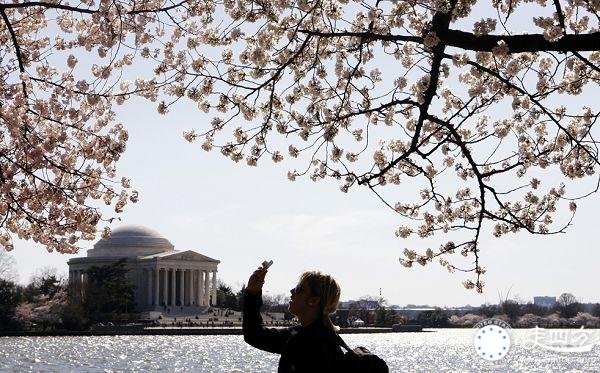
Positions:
(242, 215)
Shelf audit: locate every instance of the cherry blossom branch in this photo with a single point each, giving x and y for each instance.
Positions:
(13, 36)
(542, 108)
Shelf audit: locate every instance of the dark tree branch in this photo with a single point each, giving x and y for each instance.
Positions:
(561, 16)
(521, 43)
(47, 5)
(44, 4)
(484, 43)
(15, 42)
(366, 36)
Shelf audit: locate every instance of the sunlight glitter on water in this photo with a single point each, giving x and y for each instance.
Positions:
(444, 350)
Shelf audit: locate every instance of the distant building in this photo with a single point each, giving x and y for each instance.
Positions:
(165, 279)
(345, 304)
(360, 304)
(366, 304)
(547, 302)
(413, 313)
(365, 307)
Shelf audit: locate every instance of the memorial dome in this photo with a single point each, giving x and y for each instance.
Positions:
(131, 241)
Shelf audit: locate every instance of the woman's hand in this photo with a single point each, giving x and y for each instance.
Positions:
(256, 281)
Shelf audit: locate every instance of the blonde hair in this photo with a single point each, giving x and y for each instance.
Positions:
(327, 289)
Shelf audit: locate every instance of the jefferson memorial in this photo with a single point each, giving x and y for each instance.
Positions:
(164, 278)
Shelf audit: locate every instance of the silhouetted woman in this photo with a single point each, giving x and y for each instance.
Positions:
(309, 347)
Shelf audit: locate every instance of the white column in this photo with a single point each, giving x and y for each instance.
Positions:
(185, 288)
(184, 301)
(155, 301)
(149, 285)
(201, 287)
(206, 288)
(192, 289)
(214, 288)
(181, 288)
(165, 297)
(173, 291)
(189, 286)
(83, 282)
(80, 280)
(197, 287)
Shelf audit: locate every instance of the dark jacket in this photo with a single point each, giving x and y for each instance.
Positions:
(310, 349)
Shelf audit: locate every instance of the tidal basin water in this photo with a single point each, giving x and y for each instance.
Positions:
(445, 350)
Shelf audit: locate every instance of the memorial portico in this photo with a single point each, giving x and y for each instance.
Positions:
(165, 279)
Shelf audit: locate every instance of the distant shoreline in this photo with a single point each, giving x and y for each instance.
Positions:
(171, 331)
(202, 331)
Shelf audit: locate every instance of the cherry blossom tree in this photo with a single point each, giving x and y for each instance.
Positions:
(44, 310)
(454, 117)
(463, 117)
(59, 139)
(529, 320)
(466, 320)
(586, 319)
